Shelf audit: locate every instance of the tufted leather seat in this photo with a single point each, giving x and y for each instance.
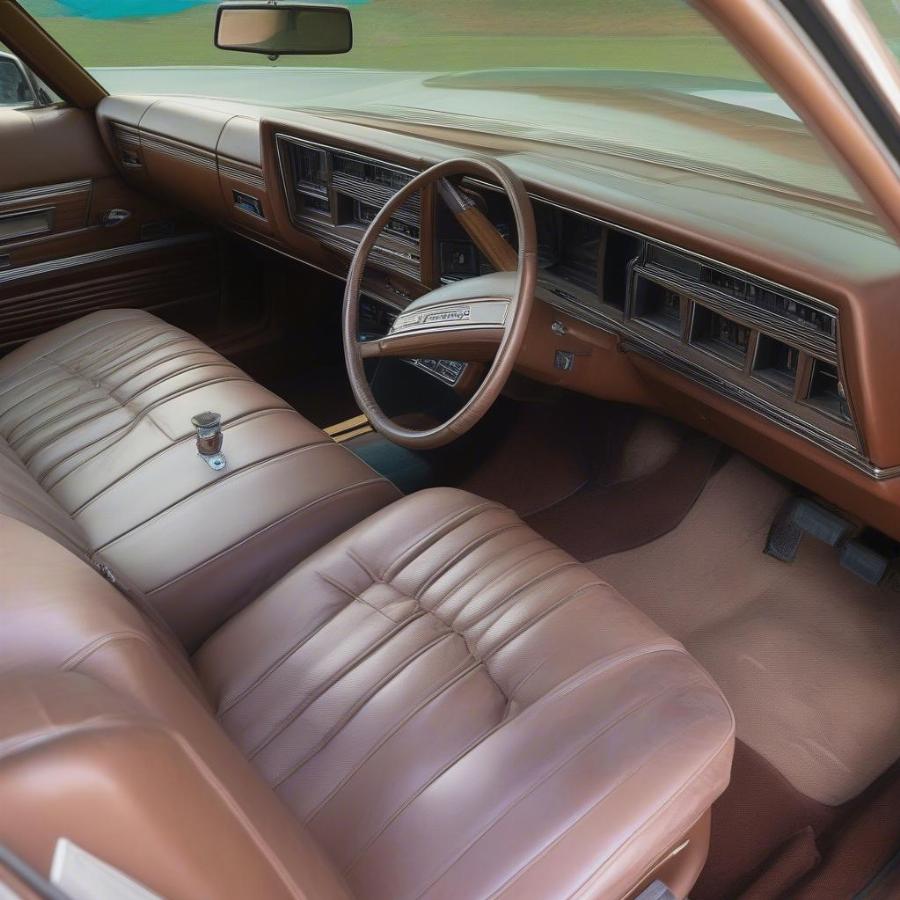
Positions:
(437, 703)
(448, 706)
(97, 450)
(443, 687)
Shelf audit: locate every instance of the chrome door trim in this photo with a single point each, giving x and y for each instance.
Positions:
(46, 190)
(7, 276)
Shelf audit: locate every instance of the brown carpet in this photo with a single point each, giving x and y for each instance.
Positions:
(543, 456)
(793, 861)
(593, 477)
(864, 840)
(754, 819)
(806, 653)
(770, 842)
(607, 518)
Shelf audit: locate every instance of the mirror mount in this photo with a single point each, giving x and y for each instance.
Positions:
(276, 28)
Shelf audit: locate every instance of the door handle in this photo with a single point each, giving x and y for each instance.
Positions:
(113, 217)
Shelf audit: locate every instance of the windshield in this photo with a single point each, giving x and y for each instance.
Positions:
(646, 79)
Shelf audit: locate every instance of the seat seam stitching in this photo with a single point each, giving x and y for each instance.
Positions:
(15, 443)
(619, 782)
(500, 575)
(229, 702)
(75, 659)
(450, 522)
(460, 555)
(50, 354)
(296, 512)
(280, 726)
(532, 582)
(462, 671)
(689, 779)
(108, 360)
(583, 746)
(355, 557)
(66, 379)
(162, 450)
(330, 579)
(360, 703)
(139, 352)
(122, 430)
(169, 376)
(233, 474)
(201, 350)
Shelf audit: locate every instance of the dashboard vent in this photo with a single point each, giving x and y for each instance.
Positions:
(755, 294)
(658, 305)
(776, 364)
(826, 392)
(310, 169)
(370, 172)
(720, 336)
(335, 195)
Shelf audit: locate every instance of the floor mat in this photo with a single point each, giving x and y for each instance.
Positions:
(770, 842)
(593, 477)
(806, 653)
(606, 518)
(758, 816)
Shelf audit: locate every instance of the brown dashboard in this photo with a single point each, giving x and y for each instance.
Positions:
(771, 353)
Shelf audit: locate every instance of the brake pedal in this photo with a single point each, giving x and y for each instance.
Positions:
(800, 516)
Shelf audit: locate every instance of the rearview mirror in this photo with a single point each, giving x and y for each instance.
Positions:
(279, 29)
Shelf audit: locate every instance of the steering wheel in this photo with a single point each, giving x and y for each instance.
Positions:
(471, 319)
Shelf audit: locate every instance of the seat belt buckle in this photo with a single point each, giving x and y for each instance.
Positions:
(210, 439)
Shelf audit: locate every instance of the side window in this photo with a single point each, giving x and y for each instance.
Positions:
(19, 87)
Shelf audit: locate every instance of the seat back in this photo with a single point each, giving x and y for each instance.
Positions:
(107, 739)
(22, 498)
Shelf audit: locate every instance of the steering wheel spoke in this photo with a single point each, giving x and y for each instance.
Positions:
(468, 344)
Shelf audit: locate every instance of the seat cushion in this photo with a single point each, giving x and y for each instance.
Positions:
(457, 708)
(97, 448)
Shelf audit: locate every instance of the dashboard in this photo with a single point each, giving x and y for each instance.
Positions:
(680, 309)
(761, 344)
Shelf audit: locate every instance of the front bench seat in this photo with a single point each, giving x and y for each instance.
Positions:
(97, 450)
(449, 704)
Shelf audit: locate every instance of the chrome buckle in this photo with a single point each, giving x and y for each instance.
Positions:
(210, 439)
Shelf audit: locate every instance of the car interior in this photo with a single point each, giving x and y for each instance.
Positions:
(389, 510)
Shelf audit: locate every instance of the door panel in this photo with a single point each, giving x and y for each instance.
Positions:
(176, 278)
(52, 145)
(61, 256)
(61, 207)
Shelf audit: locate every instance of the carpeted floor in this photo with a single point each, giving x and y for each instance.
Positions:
(806, 653)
